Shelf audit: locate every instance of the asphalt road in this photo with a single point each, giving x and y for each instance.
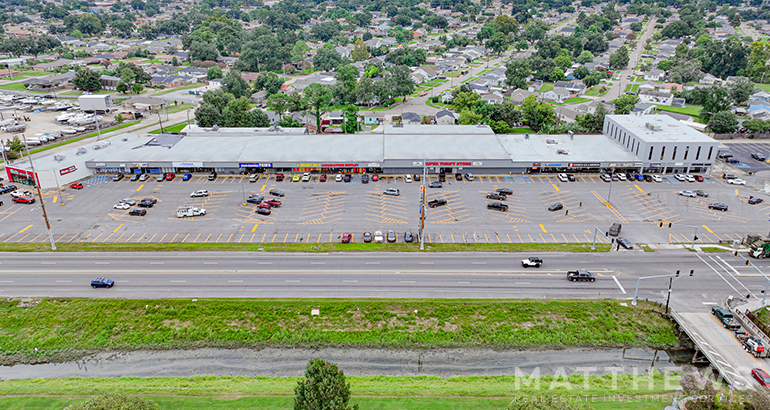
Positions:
(367, 275)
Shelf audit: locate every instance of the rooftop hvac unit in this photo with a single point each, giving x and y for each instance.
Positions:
(81, 151)
(552, 141)
(653, 127)
(58, 157)
(564, 151)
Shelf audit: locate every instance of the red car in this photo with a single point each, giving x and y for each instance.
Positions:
(273, 203)
(263, 206)
(278, 177)
(699, 178)
(375, 178)
(762, 377)
(76, 185)
(322, 178)
(346, 238)
(170, 177)
(24, 200)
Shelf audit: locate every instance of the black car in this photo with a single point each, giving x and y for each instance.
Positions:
(367, 237)
(497, 196)
(143, 204)
(364, 179)
(6, 189)
(442, 177)
(718, 207)
(276, 192)
(458, 176)
(435, 185)
(255, 199)
(571, 177)
(555, 207)
(416, 177)
(757, 156)
(436, 202)
(102, 283)
(149, 199)
(498, 206)
(135, 177)
(212, 176)
(625, 243)
(263, 211)
(755, 200)
(139, 212)
(348, 177)
(408, 237)
(581, 275)
(504, 191)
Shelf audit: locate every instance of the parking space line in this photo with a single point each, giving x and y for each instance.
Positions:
(22, 238)
(22, 231)
(576, 239)
(218, 237)
(153, 237)
(94, 240)
(108, 237)
(530, 238)
(121, 235)
(254, 228)
(230, 238)
(174, 238)
(587, 238)
(543, 228)
(453, 237)
(164, 237)
(274, 235)
(129, 238)
(509, 238)
(707, 228)
(520, 240)
(140, 187)
(116, 229)
(33, 239)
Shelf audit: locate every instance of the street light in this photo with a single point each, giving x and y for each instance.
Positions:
(672, 279)
(36, 181)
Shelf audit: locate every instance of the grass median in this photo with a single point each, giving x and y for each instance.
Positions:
(379, 392)
(56, 329)
(302, 247)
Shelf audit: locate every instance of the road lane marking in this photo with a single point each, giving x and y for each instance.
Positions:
(101, 263)
(555, 187)
(619, 285)
(234, 281)
(349, 281)
(211, 263)
(372, 263)
(157, 263)
(478, 263)
(178, 281)
(63, 281)
(25, 229)
(140, 187)
(465, 283)
(543, 228)
(318, 263)
(48, 263)
(522, 283)
(292, 281)
(707, 228)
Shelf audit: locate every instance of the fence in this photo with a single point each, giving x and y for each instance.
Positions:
(742, 135)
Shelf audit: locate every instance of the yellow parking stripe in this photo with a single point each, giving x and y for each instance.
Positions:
(21, 231)
(116, 229)
(707, 228)
(140, 187)
(555, 187)
(637, 187)
(543, 228)
(254, 228)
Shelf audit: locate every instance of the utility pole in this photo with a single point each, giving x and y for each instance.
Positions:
(422, 205)
(36, 180)
(668, 297)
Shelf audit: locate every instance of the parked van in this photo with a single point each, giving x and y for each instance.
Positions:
(615, 229)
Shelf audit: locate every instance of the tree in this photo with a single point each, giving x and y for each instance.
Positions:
(504, 24)
(508, 113)
(715, 100)
(585, 57)
(323, 388)
(468, 117)
(270, 82)
(299, 51)
(87, 80)
(581, 72)
(725, 58)
(563, 62)
(367, 36)
(174, 61)
(537, 114)
(685, 71)
(498, 43)
(318, 98)
(234, 84)
(757, 66)
(723, 122)
(200, 51)
(360, 51)
(547, 402)
(625, 104)
(740, 91)
(593, 122)
(214, 72)
(400, 81)
(664, 65)
(326, 59)
(465, 101)
(279, 103)
(620, 58)
(114, 401)
(517, 73)
(351, 121)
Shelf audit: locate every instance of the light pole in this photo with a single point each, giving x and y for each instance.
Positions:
(36, 181)
(593, 244)
(674, 278)
(422, 205)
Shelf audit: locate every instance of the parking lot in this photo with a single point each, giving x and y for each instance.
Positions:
(317, 212)
(742, 152)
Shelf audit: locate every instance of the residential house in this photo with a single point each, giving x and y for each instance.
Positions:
(677, 116)
(762, 96)
(60, 63)
(574, 87)
(656, 97)
(181, 56)
(145, 103)
(709, 79)
(518, 96)
(655, 75)
(418, 78)
(641, 108)
(109, 82)
(557, 94)
(430, 73)
(167, 81)
(446, 117)
(411, 118)
(194, 73)
(259, 97)
(759, 111)
(678, 102)
(344, 51)
(492, 98)
(565, 114)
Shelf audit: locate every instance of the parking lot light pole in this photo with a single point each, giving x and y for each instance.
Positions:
(36, 180)
(422, 205)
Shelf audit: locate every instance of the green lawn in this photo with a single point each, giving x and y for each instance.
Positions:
(598, 90)
(632, 87)
(64, 328)
(546, 87)
(520, 130)
(178, 108)
(576, 100)
(171, 128)
(13, 87)
(690, 109)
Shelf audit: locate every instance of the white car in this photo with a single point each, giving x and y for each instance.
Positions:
(144, 177)
(306, 177)
(408, 179)
(622, 176)
(688, 193)
(20, 194)
(378, 237)
(680, 177)
(199, 193)
(391, 191)
(121, 205)
(128, 201)
(338, 178)
(657, 178)
(736, 181)
(689, 178)
(562, 177)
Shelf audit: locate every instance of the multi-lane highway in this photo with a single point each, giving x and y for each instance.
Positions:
(397, 275)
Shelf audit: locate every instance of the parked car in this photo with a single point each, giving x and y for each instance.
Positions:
(19, 193)
(306, 177)
(170, 176)
(364, 179)
(322, 178)
(718, 207)
(77, 185)
(296, 178)
(199, 193)
(680, 178)
(263, 211)
(625, 243)
(121, 205)
(276, 192)
(279, 177)
(562, 177)
(736, 181)
(150, 200)
(732, 161)
(408, 179)
(690, 194)
(435, 185)
(212, 176)
(555, 207)
(504, 191)
(701, 192)
(729, 176)
(346, 238)
(755, 200)
(699, 178)
(255, 199)
(469, 176)
(160, 178)
(24, 200)
(117, 177)
(497, 196)
(689, 178)
(408, 237)
(186, 177)
(348, 178)
(759, 157)
(497, 206)
(338, 178)
(458, 176)
(137, 212)
(145, 204)
(436, 203)
(391, 191)
(532, 263)
(606, 177)
(144, 177)
(571, 177)
(102, 283)
(417, 177)
(274, 203)
(657, 178)
(391, 236)
(375, 177)
(367, 237)
(762, 377)
(378, 237)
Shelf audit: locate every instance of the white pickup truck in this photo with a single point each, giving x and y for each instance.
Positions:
(183, 211)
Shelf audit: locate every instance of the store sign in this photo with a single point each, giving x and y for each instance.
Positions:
(584, 165)
(448, 164)
(654, 165)
(187, 164)
(678, 164)
(255, 165)
(140, 165)
(100, 164)
(373, 165)
(69, 170)
(478, 164)
(552, 165)
(416, 164)
(21, 172)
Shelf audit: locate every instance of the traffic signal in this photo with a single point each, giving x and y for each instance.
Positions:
(670, 224)
(735, 253)
(695, 238)
(747, 262)
(677, 273)
(692, 271)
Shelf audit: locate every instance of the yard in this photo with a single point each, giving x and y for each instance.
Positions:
(691, 109)
(576, 100)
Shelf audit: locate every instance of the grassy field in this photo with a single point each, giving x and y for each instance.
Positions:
(380, 392)
(13, 87)
(576, 100)
(691, 109)
(306, 247)
(177, 108)
(62, 329)
(171, 128)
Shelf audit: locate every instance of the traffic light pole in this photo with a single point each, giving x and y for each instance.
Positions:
(767, 280)
(593, 244)
(694, 237)
(673, 277)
